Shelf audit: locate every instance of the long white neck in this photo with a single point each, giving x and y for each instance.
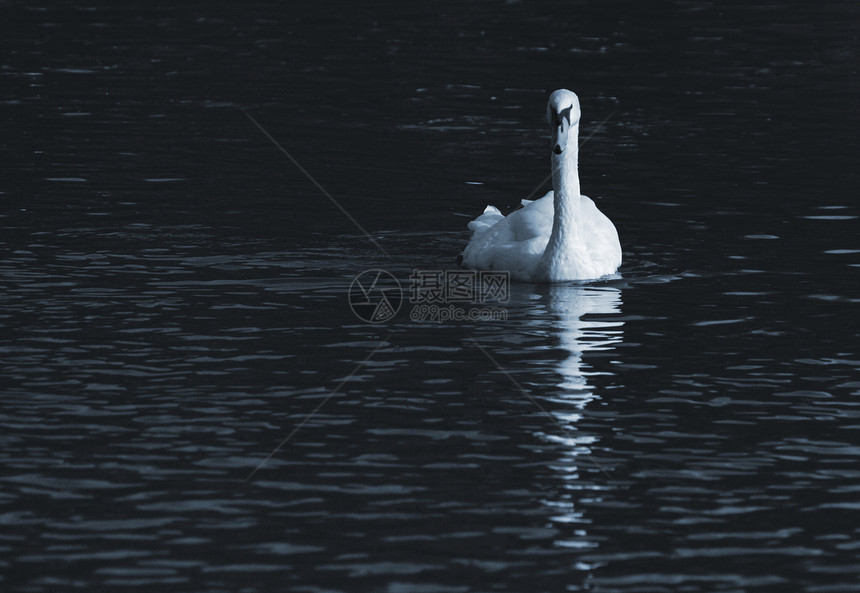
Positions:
(565, 241)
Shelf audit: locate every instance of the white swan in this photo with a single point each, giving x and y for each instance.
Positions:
(562, 236)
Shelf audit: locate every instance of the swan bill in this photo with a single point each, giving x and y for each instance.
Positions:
(559, 134)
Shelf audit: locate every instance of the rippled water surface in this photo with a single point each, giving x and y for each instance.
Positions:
(190, 404)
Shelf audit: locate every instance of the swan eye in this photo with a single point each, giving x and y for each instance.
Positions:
(565, 113)
(558, 118)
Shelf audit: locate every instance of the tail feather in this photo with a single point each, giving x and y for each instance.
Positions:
(490, 216)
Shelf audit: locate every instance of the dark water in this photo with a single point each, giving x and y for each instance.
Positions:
(174, 300)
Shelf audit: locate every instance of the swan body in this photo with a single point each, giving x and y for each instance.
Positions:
(562, 236)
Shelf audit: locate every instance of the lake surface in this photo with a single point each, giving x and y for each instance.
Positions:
(189, 402)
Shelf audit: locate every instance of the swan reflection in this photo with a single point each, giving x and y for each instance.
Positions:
(579, 321)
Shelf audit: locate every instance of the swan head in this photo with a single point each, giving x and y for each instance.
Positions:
(563, 113)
